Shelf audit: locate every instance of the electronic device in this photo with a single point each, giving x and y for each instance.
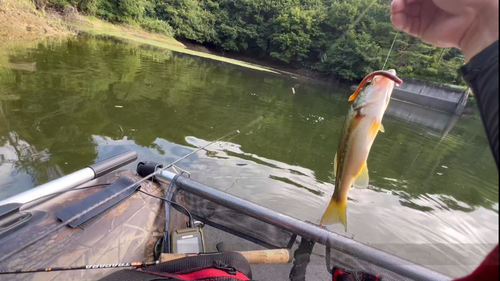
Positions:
(188, 241)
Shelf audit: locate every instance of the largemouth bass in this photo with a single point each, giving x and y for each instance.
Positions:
(362, 123)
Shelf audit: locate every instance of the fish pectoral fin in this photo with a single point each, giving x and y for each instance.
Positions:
(353, 96)
(335, 165)
(335, 213)
(382, 129)
(363, 179)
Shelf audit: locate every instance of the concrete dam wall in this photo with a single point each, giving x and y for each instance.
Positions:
(430, 96)
(437, 121)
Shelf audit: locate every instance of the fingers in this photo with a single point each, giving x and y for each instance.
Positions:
(399, 21)
(406, 15)
(397, 6)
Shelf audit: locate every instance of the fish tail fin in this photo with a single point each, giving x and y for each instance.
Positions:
(335, 213)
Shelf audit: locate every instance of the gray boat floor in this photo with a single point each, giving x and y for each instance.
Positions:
(316, 270)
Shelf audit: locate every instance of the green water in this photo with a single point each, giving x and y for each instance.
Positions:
(432, 193)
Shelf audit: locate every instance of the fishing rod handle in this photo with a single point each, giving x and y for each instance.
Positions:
(253, 257)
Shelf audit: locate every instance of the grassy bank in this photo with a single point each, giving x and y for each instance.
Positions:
(134, 34)
(21, 23)
(23, 26)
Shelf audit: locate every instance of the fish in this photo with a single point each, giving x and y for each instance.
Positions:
(361, 126)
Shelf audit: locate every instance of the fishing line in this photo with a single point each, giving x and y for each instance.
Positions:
(59, 193)
(355, 21)
(106, 184)
(390, 50)
(84, 212)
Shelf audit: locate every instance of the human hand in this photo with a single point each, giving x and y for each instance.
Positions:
(469, 25)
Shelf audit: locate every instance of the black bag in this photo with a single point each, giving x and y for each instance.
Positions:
(226, 266)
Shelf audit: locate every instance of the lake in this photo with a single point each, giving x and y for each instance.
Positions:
(433, 194)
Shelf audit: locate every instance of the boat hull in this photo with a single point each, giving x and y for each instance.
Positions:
(126, 234)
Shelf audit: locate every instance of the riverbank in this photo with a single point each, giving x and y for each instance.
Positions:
(22, 23)
(135, 35)
(267, 62)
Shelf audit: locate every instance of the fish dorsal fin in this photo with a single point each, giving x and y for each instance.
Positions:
(335, 165)
(362, 179)
(382, 128)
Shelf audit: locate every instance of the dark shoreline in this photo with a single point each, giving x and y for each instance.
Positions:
(286, 68)
(266, 62)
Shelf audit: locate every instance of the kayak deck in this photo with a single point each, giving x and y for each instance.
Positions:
(125, 234)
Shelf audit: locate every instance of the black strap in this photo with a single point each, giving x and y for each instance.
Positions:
(302, 257)
(328, 262)
(162, 245)
(166, 235)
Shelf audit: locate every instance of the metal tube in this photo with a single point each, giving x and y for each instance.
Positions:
(61, 184)
(319, 235)
(165, 177)
(113, 163)
(72, 180)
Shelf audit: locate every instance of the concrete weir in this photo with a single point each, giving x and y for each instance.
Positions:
(431, 96)
(437, 121)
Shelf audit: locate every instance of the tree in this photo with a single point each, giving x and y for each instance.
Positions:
(353, 57)
(345, 38)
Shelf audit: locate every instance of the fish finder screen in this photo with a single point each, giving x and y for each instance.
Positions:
(188, 246)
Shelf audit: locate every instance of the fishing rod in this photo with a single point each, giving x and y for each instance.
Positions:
(88, 266)
(98, 204)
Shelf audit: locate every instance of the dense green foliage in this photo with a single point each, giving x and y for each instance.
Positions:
(345, 38)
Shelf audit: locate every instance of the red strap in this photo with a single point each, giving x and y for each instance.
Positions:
(212, 272)
(487, 270)
(336, 274)
(204, 273)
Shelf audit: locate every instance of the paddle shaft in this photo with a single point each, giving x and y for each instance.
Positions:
(253, 257)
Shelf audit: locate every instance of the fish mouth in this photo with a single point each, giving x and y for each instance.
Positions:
(375, 77)
(386, 74)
